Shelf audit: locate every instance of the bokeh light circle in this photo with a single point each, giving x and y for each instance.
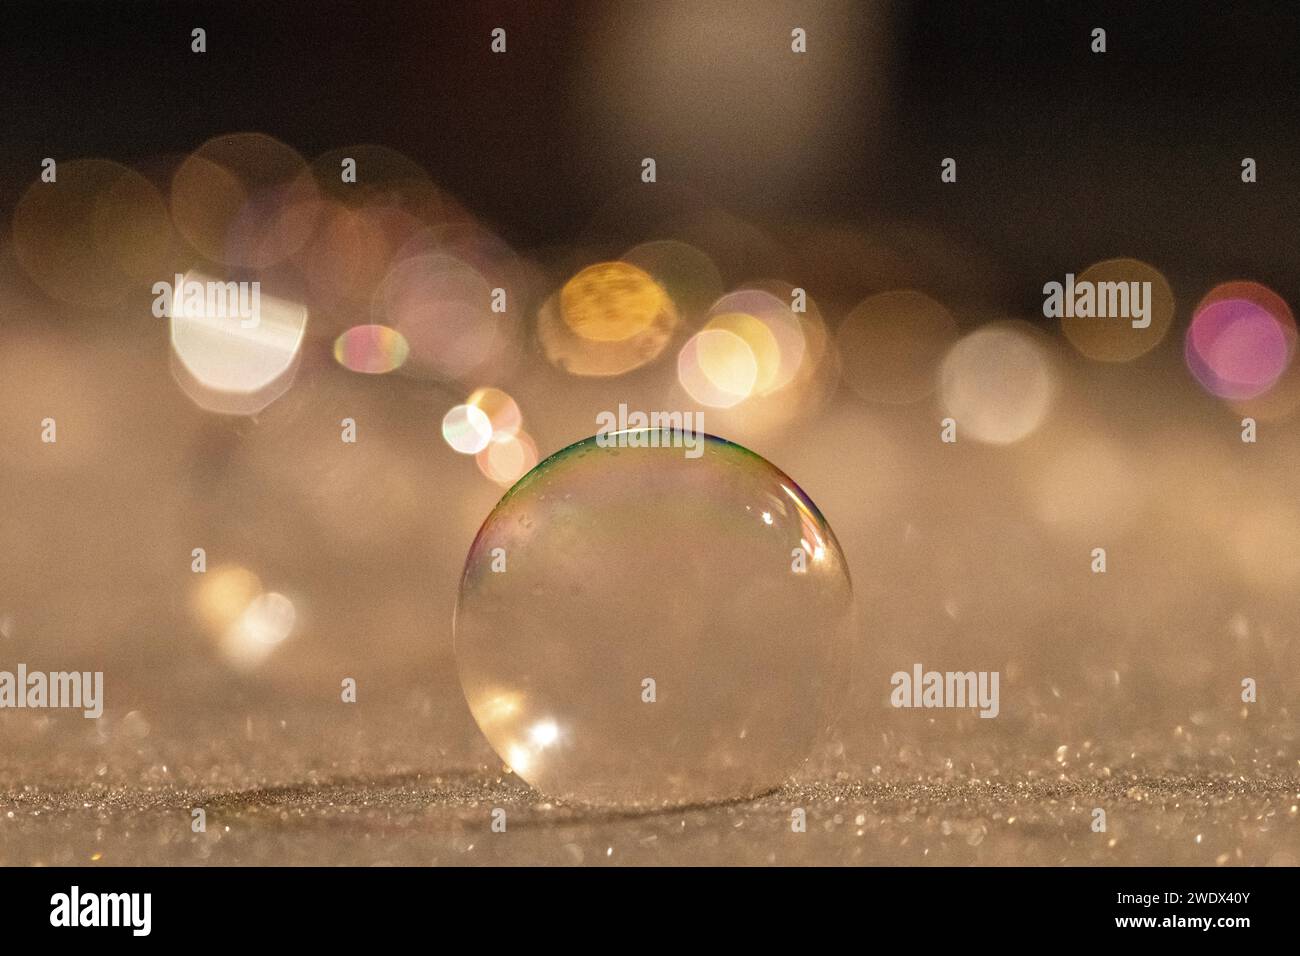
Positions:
(1236, 348)
(507, 458)
(717, 368)
(92, 235)
(502, 411)
(467, 429)
(684, 272)
(997, 384)
(228, 364)
(762, 346)
(614, 301)
(239, 200)
(772, 331)
(371, 349)
(586, 357)
(443, 308)
(1115, 339)
(891, 345)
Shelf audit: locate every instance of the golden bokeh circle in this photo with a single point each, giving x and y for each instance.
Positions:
(612, 302)
(93, 234)
(238, 200)
(891, 345)
(1116, 339)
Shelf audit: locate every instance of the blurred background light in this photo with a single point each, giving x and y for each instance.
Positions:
(238, 200)
(1278, 403)
(1115, 339)
(791, 117)
(891, 345)
(467, 429)
(385, 178)
(245, 622)
(443, 308)
(507, 459)
(222, 595)
(371, 349)
(502, 411)
(477, 246)
(997, 384)
(613, 302)
(1258, 294)
(268, 620)
(342, 262)
(762, 345)
(717, 368)
(1282, 399)
(1237, 349)
(684, 272)
(772, 331)
(90, 237)
(586, 357)
(226, 367)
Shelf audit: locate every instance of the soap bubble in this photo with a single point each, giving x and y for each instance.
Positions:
(660, 621)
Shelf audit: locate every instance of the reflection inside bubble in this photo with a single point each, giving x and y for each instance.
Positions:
(590, 670)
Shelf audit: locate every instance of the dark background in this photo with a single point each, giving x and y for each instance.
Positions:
(1064, 156)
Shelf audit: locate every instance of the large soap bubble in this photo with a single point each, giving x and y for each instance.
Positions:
(654, 618)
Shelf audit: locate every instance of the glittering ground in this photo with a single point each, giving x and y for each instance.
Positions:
(324, 792)
(420, 819)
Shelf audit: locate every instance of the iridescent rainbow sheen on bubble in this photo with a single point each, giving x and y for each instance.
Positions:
(713, 576)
